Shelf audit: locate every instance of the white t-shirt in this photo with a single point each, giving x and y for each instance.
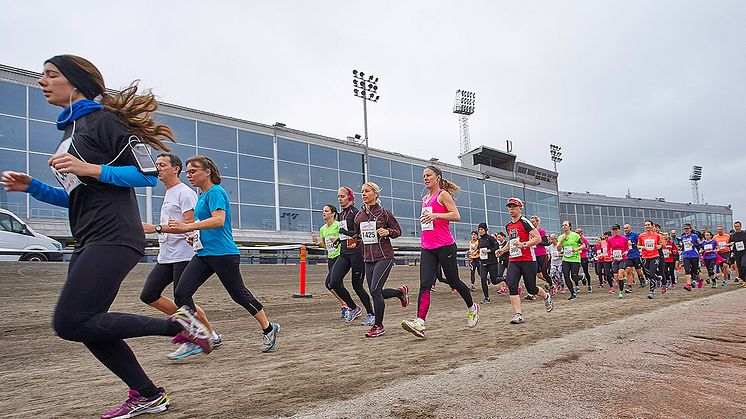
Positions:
(174, 247)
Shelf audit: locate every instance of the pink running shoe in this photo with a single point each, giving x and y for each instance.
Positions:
(137, 405)
(194, 331)
(611, 290)
(405, 297)
(688, 287)
(375, 331)
(699, 284)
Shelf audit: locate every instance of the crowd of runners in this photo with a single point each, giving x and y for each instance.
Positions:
(99, 162)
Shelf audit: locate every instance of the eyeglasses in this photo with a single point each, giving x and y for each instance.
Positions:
(192, 171)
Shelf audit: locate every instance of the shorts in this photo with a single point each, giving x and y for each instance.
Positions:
(525, 269)
(618, 265)
(691, 266)
(633, 263)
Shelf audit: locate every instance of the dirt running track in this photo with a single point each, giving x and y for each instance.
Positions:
(680, 355)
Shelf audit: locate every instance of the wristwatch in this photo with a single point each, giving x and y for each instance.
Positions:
(159, 229)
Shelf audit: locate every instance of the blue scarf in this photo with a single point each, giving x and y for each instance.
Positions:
(78, 109)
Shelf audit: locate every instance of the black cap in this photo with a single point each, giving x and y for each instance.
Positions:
(483, 225)
(615, 227)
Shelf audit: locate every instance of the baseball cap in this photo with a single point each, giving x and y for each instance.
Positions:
(514, 201)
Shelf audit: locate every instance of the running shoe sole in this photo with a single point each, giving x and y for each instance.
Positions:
(411, 329)
(195, 351)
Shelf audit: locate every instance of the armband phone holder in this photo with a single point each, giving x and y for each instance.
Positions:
(143, 158)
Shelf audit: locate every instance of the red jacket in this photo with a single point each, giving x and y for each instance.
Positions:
(383, 218)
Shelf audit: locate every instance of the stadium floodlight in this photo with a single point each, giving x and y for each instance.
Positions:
(463, 106)
(556, 152)
(695, 177)
(366, 89)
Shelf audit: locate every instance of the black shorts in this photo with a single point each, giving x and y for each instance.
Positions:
(691, 266)
(618, 265)
(525, 269)
(633, 263)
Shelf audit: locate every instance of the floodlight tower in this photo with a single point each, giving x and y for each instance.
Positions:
(366, 89)
(464, 106)
(695, 177)
(556, 152)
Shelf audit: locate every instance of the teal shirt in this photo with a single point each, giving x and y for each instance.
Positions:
(216, 241)
(330, 239)
(571, 240)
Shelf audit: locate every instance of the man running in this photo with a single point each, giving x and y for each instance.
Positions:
(690, 256)
(737, 243)
(633, 260)
(723, 253)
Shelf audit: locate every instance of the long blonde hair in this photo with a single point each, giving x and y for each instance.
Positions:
(377, 189)
(444, 184)
(136, 110)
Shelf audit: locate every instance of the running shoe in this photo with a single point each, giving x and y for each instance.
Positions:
(737, 280)
(590, 290)
(673, 286)
(375, 331)
(573, 297)
(404, 299)
(576, 289)
(217, 340)
(629, 289)
(664, 290)
(471, 288)
(517, 319)
(611, 290)
(184, 350)
(530, 297)
(620, 295)
(502, 290)
(137, 405)
(415, 327)
(582, 278)
(714, 284)
(269, 340)
(651, 296)
(369, 320)
(472, 317)
(642, 283)
(353, 314)
(548, 304)
(723, 283)
(553, 291)
(699, 284)
(485, 301)
(194, 331)
(688, 287)
(343, 312)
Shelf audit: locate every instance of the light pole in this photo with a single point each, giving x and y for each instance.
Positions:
(556, 153)
(464, 106)
(695, 177)
(366, 89)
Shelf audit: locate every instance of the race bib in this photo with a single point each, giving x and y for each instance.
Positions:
(330, 244)
(426, 226)
(515, 251)
(484, 253)
(343, 226)
(197, 243)
(708, 247)
(687, 245)
(722, 245)
(368, 232)
(666, 253)
(649, 244)
(599, 252)
(617, 255)
(739, 246)
(567, 251)
(68, 181)
(556, 254)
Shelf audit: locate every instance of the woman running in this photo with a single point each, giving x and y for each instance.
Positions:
(670, 250)
(571, 245)
(555, 273)
(487, 245)
(438, 248)
(650, 242)
(472, 258)
(586, 277)
(709, 257)
(690, 256)
(217, 253)
(542, 258)
(376, 226)
(350, 254)
(618, 247)
(97, 166)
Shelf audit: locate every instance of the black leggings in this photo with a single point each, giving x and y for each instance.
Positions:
(525, 269)
(377, 274)
(474, 266)
(741, 266)
(670, 276)
(201, 268)
(650, 269)
(543, 267)
(159, 278)
(492, 270)
(584, 265)
(599, 268)
(430, 261)
(609, 273)
(570, 272)
(345, 262)
(82, 312)
(710, 266)
(335, 284)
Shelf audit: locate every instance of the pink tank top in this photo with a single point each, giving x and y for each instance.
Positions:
(440, 235)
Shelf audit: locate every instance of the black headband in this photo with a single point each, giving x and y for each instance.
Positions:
(76, 76)
(436, 170)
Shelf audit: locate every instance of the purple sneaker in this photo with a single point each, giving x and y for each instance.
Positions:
(138, 405)
(194, 331)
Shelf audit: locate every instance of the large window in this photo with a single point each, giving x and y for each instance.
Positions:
(256, 168)
(253, 192)
(323, 156)
(216, 136)
(183, 128)
(350, 161)
(255, 144)
(12, 99)
(257, 218)
(293, 174)
(13, 132)
(39, 108)
(290, 150)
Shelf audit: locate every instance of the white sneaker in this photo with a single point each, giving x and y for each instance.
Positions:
(473, 316)
(517, 319)
(184, 350)
(269, 341)
(369, 320)
(416, 327)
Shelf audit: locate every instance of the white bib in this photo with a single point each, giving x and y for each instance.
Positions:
(426, 226)
(616, 254)
(722, 245)
(197, 243)
(666, 253)
(687, 245)
(343, 225)
(68, 181)
(555, 254)
(368, 232)
(515, 251)
(329, 242)
(567, 251)
(649, 244)
(739, 246)
(484, 253)
(708, 247)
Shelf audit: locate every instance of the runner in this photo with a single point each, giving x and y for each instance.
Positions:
(502, 265)
(438, 248)
(472, 258)
(599, 254)
(350, 255)
(670, 251)
(571, 245)
(709, 257)
(555, 273)
(650, 242)
(487, 245)
(618, 247)
(522, 236)
(586, 277)
(690, 256)
(724, 252)
(174, 253)
(542, 258)
(97, 166)
(661, 260)
(737, 244)
(375, 227)
(634, 263)
(677, 257)
(217, 253)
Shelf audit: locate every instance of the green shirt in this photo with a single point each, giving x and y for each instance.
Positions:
(572, 240)
(330, 239)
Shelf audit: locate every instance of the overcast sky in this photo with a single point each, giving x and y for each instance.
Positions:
(636, 92)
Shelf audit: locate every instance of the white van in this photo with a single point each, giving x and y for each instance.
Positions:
(16, 236)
